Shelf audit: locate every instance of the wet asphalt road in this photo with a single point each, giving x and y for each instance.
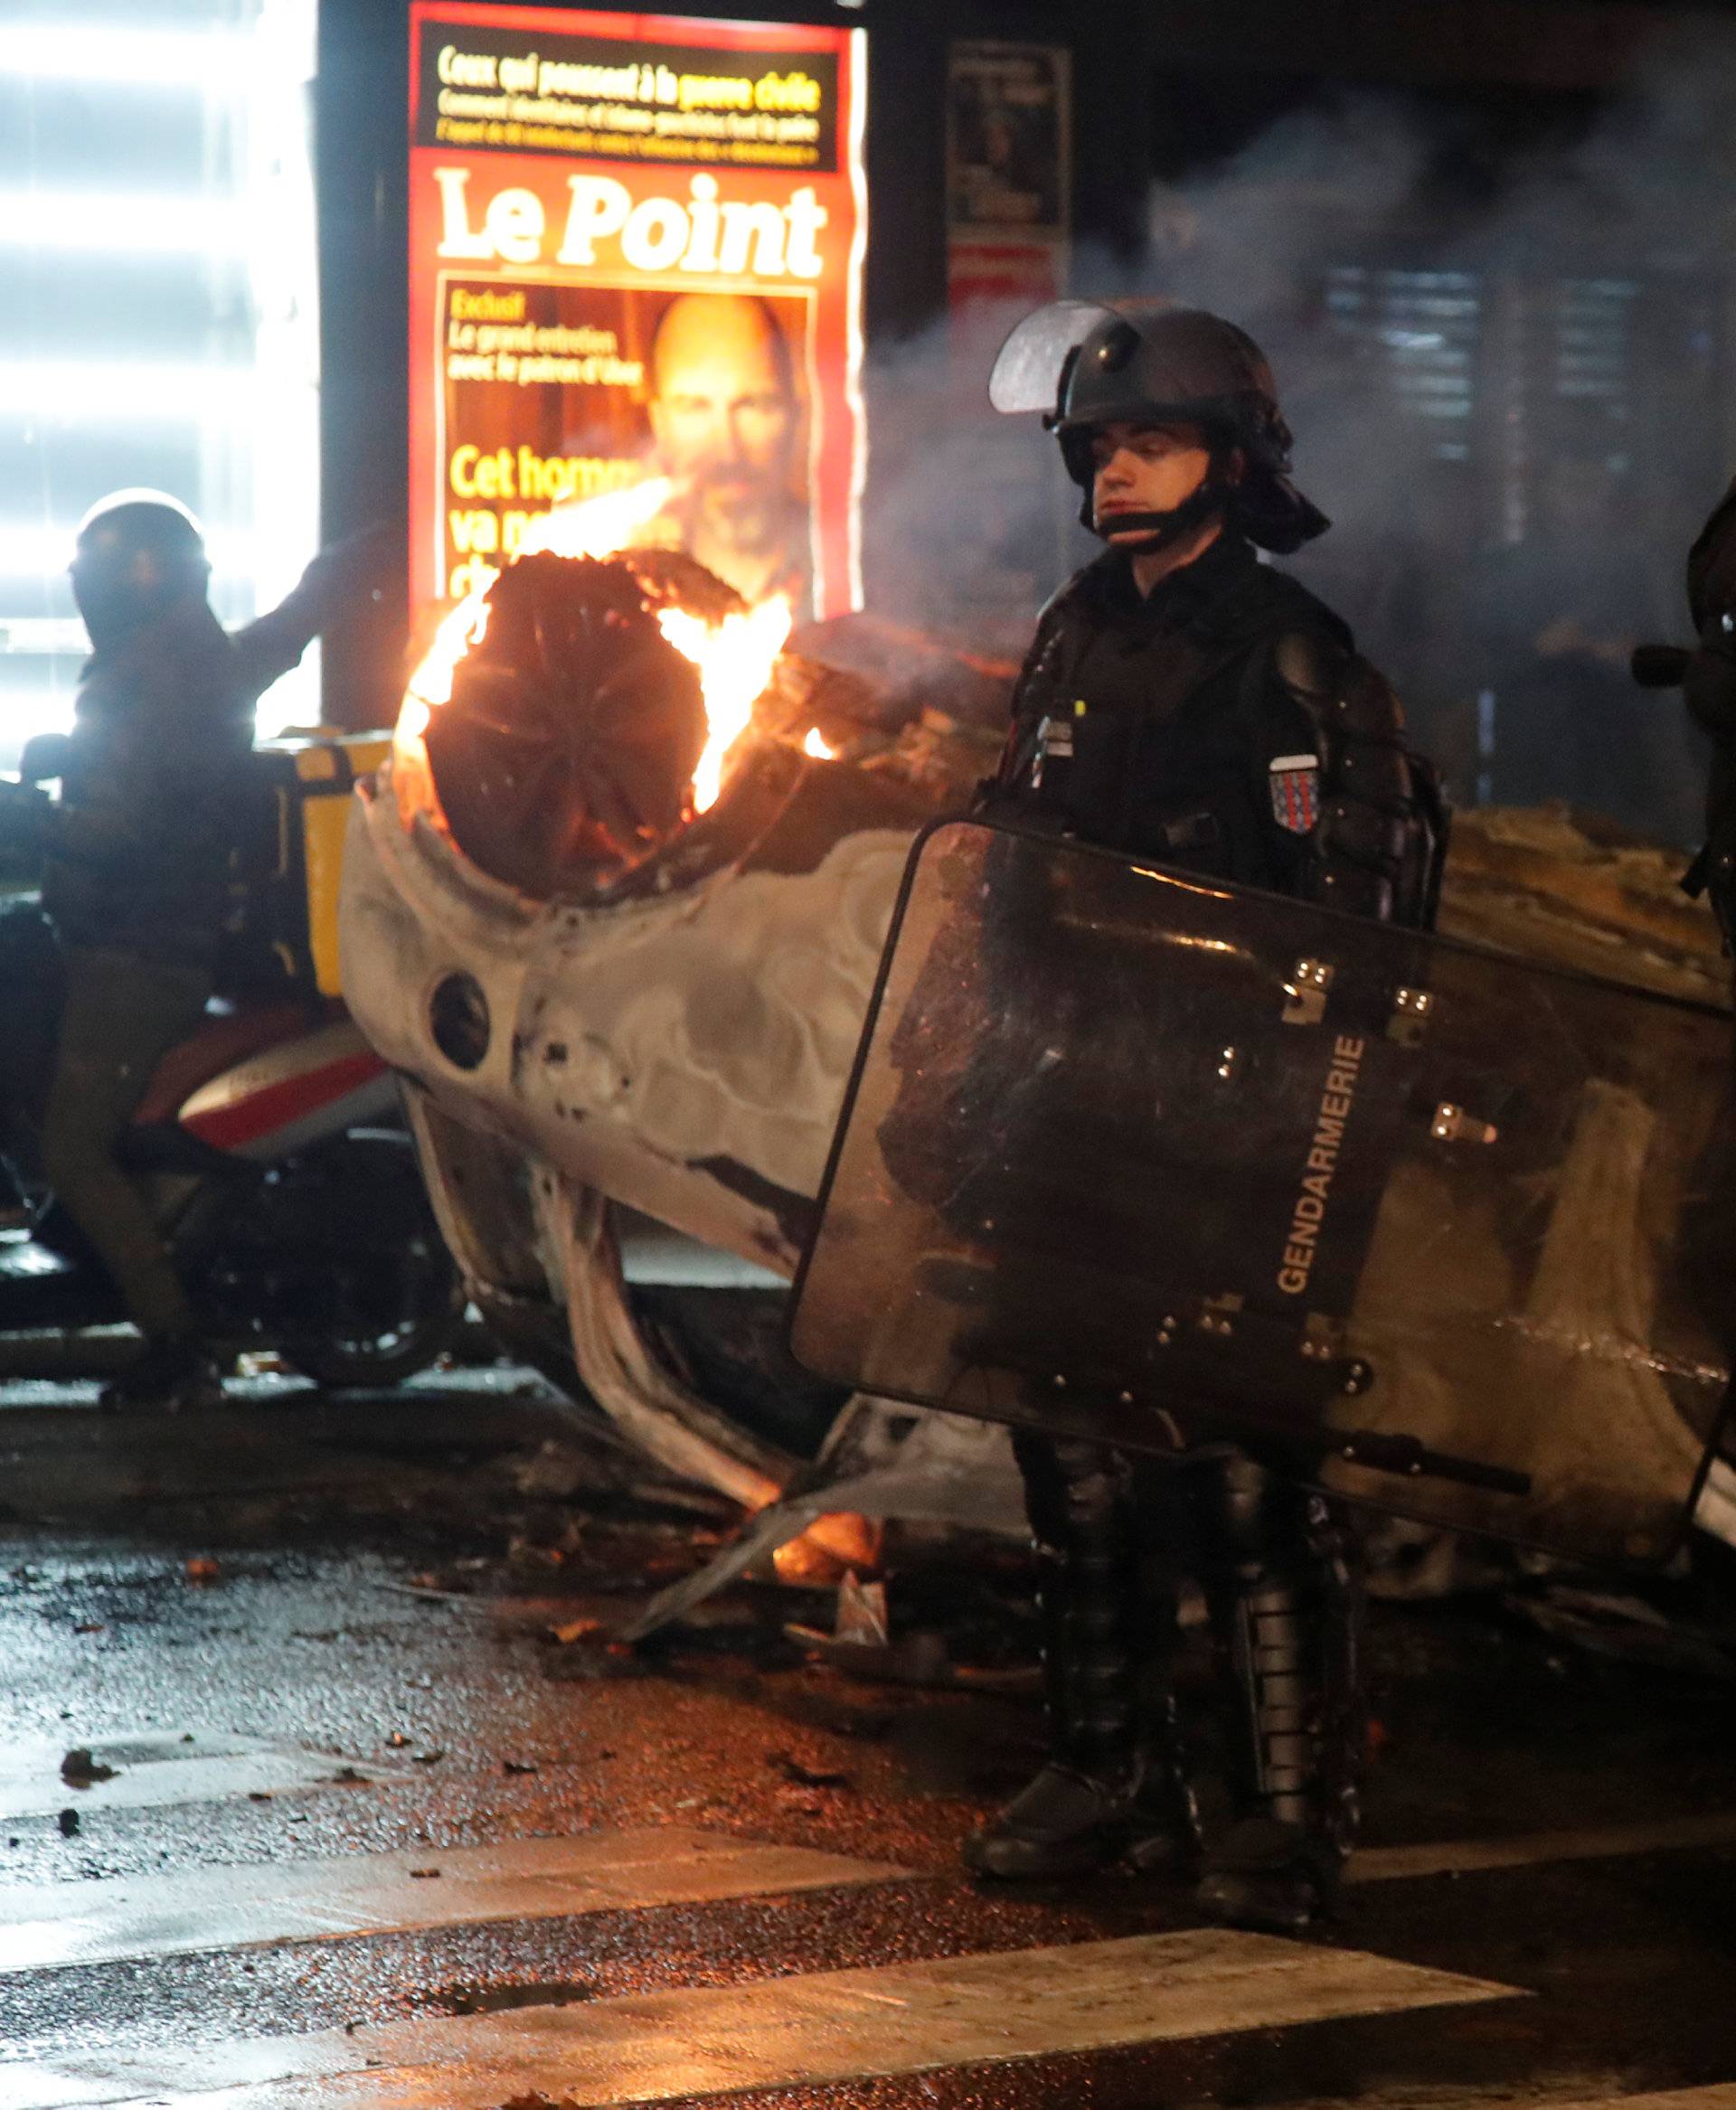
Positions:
(380, 1583)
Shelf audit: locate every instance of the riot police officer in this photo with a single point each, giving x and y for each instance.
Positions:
(1709, 682)
(1184, 701)
(137, 868)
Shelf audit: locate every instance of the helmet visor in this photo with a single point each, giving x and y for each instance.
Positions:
(1026, 373)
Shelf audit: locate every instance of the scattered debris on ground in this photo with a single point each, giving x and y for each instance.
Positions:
(1550, 883)
(499, 2000)
(573, 1630)
(79, 1768)
(1627, 1628)
(801, 1775)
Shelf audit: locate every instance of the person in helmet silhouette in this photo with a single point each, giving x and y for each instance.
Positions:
(1184, 701)
(136, 870)
(1709, 683)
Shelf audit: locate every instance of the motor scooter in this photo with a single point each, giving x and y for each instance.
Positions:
(270, 1148)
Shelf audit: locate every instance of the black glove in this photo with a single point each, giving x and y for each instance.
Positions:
(357, 568)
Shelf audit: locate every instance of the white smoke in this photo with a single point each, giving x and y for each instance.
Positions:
(1501, 336)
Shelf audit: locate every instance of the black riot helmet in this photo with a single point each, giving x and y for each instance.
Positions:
(139, 553)
(1089, 364)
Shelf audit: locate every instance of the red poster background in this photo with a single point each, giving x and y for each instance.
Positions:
(819, 314)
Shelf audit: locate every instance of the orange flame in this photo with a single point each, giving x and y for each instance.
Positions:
(431, 683)
(599, 526)
(429, 686)
(735, 658)
(832, 1546)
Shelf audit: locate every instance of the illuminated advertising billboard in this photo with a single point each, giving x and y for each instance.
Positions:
(636, 254)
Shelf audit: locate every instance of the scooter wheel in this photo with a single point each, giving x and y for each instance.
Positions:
(406, 1310)
(392, 1355)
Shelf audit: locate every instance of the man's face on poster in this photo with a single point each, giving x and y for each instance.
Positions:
(724, 415)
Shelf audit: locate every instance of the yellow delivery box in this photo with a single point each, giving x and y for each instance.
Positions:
(290, 864)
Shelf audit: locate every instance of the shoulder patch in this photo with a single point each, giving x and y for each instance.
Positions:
(1295, 781)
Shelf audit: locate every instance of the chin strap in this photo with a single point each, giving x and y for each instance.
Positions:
(1158, 531)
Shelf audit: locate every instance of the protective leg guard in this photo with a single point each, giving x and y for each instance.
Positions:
(1288, 1619)
(1114, 1785)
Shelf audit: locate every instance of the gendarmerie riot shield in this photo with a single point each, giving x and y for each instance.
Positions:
(1159, 1160)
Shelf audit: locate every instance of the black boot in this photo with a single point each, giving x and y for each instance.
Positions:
(1270, 1875)
(1289, 1618)
(1114, 1787)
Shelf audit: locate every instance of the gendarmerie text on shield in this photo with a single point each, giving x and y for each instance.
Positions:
(1310, 1212)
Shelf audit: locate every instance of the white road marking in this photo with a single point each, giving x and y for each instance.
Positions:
(157, 1767)
(1721, 2096)
(52, 1925)
(821, 2028)
(1383, 1864)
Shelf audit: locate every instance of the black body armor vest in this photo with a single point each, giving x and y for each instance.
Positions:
(1225, 724)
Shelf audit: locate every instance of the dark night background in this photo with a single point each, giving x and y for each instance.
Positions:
(1486, 245)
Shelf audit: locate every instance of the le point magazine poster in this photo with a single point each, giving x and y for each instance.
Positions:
(635, 257)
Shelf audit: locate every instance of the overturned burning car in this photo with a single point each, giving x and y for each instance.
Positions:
(617, 909)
